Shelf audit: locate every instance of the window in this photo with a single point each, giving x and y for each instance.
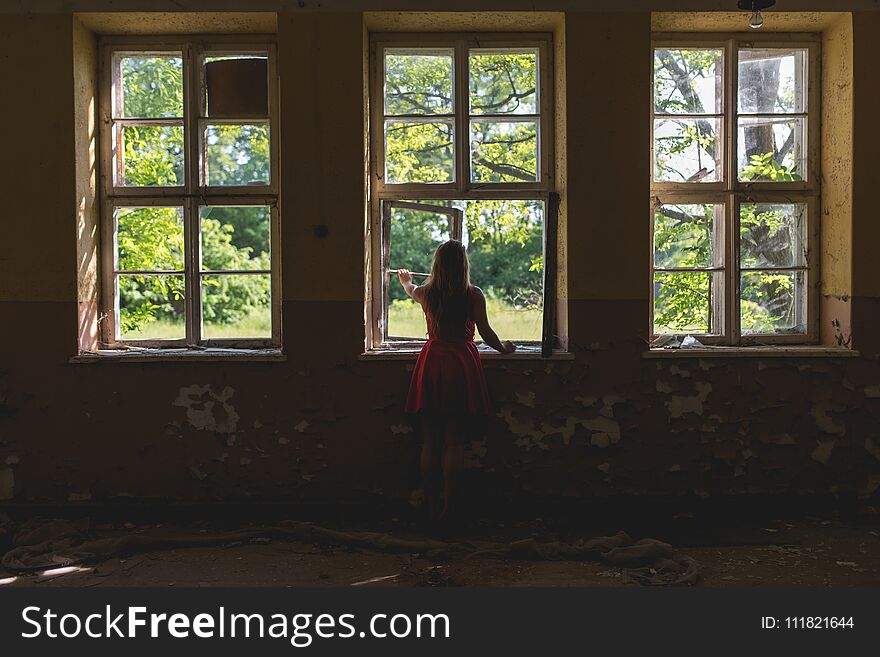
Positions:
(190, 203)
(462, 149)
(735, 189)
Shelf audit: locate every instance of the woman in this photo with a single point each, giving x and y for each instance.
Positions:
(448, 389)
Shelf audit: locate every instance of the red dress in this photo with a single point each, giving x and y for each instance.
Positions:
(448, 376)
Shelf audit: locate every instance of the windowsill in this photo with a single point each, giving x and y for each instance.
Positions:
(211, 355)
(782, 351)
(522, 353)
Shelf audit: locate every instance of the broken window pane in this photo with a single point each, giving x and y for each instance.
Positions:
(418, 81)
(504, 151)
(419, 152)
(505, 245)
(772, 302)
(236, 86)
(773, 235)
(152, 86)
(415, 235)
(773, 80)
(237, 155)
(688, 81)
(683, 302)
(687, 150)
(772, 149)
(235, 238)
(684, 235)
(152, 156)
(149, 238)
(236, 306)
(503, 81)
(150, 307)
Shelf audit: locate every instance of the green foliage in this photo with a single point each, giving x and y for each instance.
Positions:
(765, 167)
(769, 236)
(504, 243)
(233, 238)
(238, 154)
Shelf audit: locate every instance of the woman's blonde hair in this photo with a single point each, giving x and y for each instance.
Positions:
(446, 290)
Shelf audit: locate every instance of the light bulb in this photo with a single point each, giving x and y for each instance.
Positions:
(757, 20)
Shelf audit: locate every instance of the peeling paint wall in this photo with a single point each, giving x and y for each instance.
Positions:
(325, 426)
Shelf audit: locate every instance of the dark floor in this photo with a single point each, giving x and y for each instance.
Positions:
(747, 548)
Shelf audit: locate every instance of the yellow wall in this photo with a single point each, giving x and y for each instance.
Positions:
(866, 160)
(37, 167)
(322, 150)
(837, 154)
(608, 165)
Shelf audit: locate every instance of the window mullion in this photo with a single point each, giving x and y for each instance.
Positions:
(191, 111)
(462, 118)
(731, 222)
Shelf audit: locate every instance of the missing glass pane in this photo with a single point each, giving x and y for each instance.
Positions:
(236, 86)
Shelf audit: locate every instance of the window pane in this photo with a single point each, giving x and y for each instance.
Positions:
(687, 150)
(237, 155)
(149, 238)
(152, 156)
(773, 81)
(682, 302)
(417, 152)
(773, 235)
(504, 151)
(503, 81)
(772, 302)
(415, 235)
(505, 244)
(152, 86)
(504, 240)
(151, 307)
(236, 86)
(236, 306)
(418, 81)
(235, 237)
(683, 235)
(772, 149)
(688, 81)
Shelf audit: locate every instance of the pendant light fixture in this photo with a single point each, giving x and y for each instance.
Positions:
(756, 20)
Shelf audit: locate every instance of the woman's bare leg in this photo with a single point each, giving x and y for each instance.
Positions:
(432, 430)
(453, 464)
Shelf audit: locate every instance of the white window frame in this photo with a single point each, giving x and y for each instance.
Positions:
(461, 188)
(732, 193)
(193, 194)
